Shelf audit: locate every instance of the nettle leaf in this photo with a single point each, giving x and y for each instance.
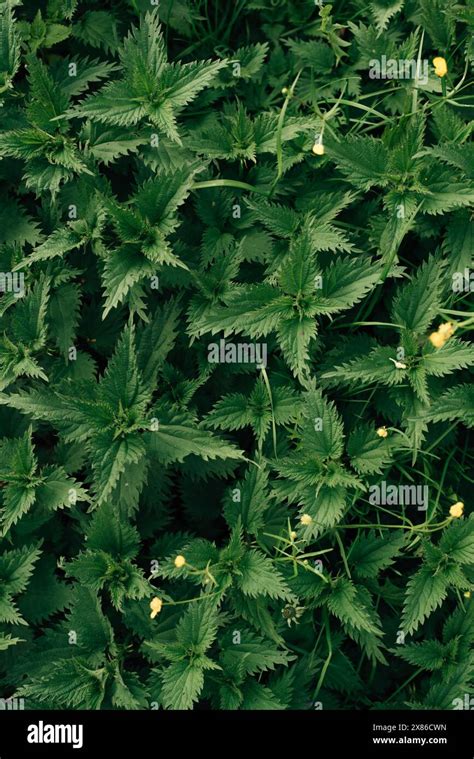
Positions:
(26, 486)
(325, 505)
(143, 233)
(86, 617)
(29, 331)
(425, 592)
(109, 144)
(459, 243)
(183, 679)
(197, 628)
(259, 697)
(258, 576)
(377, 366)
(457, 541)
(458, 627)
(16, 568)
(173, 442)
(75, 74)
(429, 654)
(461, 156)
(348, 606)
(45, 594)
(253, 654)
(369, 453)
(182, 684)
(98, 29)
(294, 336)
(444, 191)
(9, 47)
(384, 11)
(417, 303)
(322, 431)
(257, 410)
(121, 578)
(16, 225)
(6, 641)
(157, 339)
(64, 310)
(151, 87)
(344, 283)
(69, 685)
(247, 501)
(362, 159)
(369, 553)
(250, 59)
(47, 100)
(455, 354)
(456, 403)
(278, 219)
(110, 458)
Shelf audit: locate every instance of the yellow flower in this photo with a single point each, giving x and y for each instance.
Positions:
(318, 148)
(382, 432)
(457, 509)
(467, 594)
(446, 329)
(155, 606)
(443, 333)
(436, 339)
(179, 562)
(440, 66)
(306, 519)
(293, 535)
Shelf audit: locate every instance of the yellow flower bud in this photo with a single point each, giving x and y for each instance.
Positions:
(155, 606)
(293, 535)
(446, 329)
(306, 519)
(442, 334)
(437, 339)
(382, 432)
(285, 91)
(467, 594)
(456, 509)
(179, 562)
(440, 66)
(318, 148)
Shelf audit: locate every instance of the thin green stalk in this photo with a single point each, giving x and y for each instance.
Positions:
(417, 75)
(227, 183)
(281, 120)
(327, 662)
(270, 397)
(343, 555)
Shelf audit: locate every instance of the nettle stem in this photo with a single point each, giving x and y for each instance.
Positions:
(227, 183)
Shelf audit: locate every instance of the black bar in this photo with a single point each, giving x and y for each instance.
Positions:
(375, 734)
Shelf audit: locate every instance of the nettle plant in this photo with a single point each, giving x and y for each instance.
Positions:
(235, 398)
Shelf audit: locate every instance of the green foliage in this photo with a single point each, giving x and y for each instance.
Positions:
(235, 360)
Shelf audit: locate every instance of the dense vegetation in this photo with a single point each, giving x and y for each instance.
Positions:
(235, 399)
